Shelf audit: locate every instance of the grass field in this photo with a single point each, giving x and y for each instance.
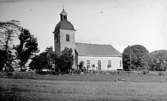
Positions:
(112, 76)
(96, 88)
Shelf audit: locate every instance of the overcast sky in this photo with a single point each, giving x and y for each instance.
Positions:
(116, 22)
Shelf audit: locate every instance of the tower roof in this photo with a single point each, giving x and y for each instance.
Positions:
(63, 12)
(64, 23)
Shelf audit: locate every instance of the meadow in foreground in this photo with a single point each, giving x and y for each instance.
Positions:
(81, 90)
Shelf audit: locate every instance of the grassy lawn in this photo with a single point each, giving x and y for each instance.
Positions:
(98, 87)
(113, 76)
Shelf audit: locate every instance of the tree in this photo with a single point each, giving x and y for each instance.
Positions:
(51, 56)
(65, 61)
(27, 47)
(43, 61)
(158, 60)
(135, 57)
(2, 59)
(39, 62)
(8, 32)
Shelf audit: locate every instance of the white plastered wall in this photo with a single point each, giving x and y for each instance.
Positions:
(116, 62)
(68, 44)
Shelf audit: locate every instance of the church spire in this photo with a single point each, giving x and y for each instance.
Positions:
(63, 15)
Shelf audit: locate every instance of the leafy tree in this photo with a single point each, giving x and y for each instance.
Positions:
(2, 59)
(8, 33)
(135, 57)
(27, 47)
(43, 61)
(39, 62)
(65, 61)
(51, 56)
(158, 60)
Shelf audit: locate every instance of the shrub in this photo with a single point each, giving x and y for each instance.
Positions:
(161, 73)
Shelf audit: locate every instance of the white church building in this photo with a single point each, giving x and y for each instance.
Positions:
(94, 56)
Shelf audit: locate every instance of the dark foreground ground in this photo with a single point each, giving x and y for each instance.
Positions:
(95, 88)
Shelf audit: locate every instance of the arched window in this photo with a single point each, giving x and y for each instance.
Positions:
(88, 64)
(67, 37)
(120, 63)
(99, 64)
(109, 64)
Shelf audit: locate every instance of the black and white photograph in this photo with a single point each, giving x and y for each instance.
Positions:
(83, 50)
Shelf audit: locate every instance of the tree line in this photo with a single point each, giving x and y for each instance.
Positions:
(17, 54)
(137, 57)
(50, 61)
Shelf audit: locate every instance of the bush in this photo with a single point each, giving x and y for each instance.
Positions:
(161, 73)
(9, 73)
(76, 71)
(145, 72)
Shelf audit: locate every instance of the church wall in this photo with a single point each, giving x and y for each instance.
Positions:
(56, 43)
(64, 43)
(116, 62)
(68, 44)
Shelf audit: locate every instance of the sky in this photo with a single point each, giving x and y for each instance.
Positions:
(116, 22)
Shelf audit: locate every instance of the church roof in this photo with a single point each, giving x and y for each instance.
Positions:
(85, 49)
(64, 25)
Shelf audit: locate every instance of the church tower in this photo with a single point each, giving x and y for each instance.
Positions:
(64, 34)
